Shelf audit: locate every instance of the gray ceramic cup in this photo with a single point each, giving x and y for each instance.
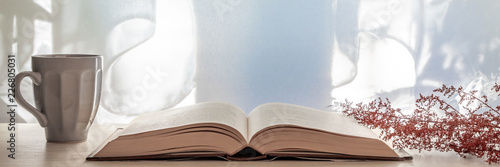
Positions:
(67, 90)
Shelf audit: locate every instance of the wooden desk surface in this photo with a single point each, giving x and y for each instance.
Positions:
(33, 150)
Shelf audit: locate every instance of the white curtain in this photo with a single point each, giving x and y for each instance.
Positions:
(313, 52)
(149, 48)
(163, 54)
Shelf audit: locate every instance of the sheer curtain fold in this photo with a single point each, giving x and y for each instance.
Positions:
(148, 47)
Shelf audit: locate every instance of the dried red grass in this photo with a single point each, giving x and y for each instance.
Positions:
(475, 132)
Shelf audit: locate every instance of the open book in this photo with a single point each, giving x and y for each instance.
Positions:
(219, 129)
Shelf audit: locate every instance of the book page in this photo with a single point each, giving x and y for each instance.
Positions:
(271, 114)
(208, 112)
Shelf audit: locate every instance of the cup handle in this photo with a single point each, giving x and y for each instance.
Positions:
(37, 79)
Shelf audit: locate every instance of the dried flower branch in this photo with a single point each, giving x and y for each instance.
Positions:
(475, 132)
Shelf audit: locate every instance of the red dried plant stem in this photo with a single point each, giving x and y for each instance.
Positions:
(473, 133)
(482, 102)
(470, 96)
